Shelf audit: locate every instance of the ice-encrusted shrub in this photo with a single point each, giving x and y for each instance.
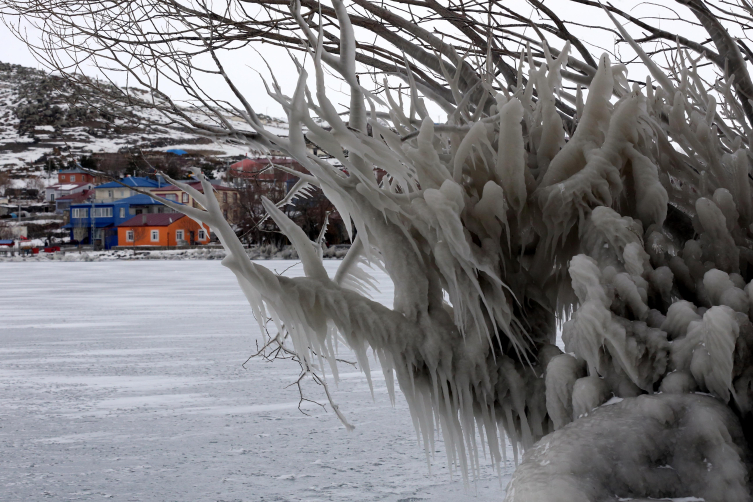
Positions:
(630, 223)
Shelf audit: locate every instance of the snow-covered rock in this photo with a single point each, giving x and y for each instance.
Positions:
(648, 447)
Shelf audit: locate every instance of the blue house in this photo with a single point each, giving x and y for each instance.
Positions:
(103, 218)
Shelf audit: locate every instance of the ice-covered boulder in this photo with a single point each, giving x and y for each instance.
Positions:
(657, 447)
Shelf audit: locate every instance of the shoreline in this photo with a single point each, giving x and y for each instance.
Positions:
(268, 252)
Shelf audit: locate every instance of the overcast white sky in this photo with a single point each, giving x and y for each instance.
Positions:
(243, 71)
(13, 50)
(245, 64)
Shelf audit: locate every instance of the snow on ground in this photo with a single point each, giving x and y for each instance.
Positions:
(24, 222)
(123, 380)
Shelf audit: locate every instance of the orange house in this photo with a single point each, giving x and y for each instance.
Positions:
(161, 229)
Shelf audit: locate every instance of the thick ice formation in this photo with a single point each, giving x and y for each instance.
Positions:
(631, 226)
(658, 447)
(588, 394)
(561, 374)
(707, 351)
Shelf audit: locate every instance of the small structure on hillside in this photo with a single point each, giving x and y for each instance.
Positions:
(27, 207)
(79, 175)
(22, 193)
(54, 192)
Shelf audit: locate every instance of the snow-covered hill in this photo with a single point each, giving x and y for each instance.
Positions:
(44, 117)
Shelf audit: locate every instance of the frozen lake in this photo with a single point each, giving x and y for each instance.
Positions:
(124, 380)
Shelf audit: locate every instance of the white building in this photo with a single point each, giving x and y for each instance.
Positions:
(54, 192)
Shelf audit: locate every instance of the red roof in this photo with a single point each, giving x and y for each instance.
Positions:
(77, 197)
(152, 220)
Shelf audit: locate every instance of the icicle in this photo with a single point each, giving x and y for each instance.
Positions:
(561, 375)
(511, 154)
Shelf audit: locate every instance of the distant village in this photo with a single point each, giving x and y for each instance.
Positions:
(88, 209)
(73, 175)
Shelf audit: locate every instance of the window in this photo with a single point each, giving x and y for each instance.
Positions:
(52, 197)
(109, 194)
(129, 235)
(122, 212)
(179, 235)
(155, 235)
(102, 212)
(224, 197)
(202, 235)
(79, 212)
(185, 198)
(171, 196)
(224, 214)
(73, 178)
(235, 196)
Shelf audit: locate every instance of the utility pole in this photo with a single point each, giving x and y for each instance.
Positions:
(91, 219)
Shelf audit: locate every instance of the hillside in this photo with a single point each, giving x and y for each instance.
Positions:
(46, 121)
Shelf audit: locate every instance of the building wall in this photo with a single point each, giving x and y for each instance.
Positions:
(229, 201)
(77, 178)
(53, 193)
(142, 235)
(81, 227)
(99, 221)
(161, 192)
(103, 194)
(103, 237)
